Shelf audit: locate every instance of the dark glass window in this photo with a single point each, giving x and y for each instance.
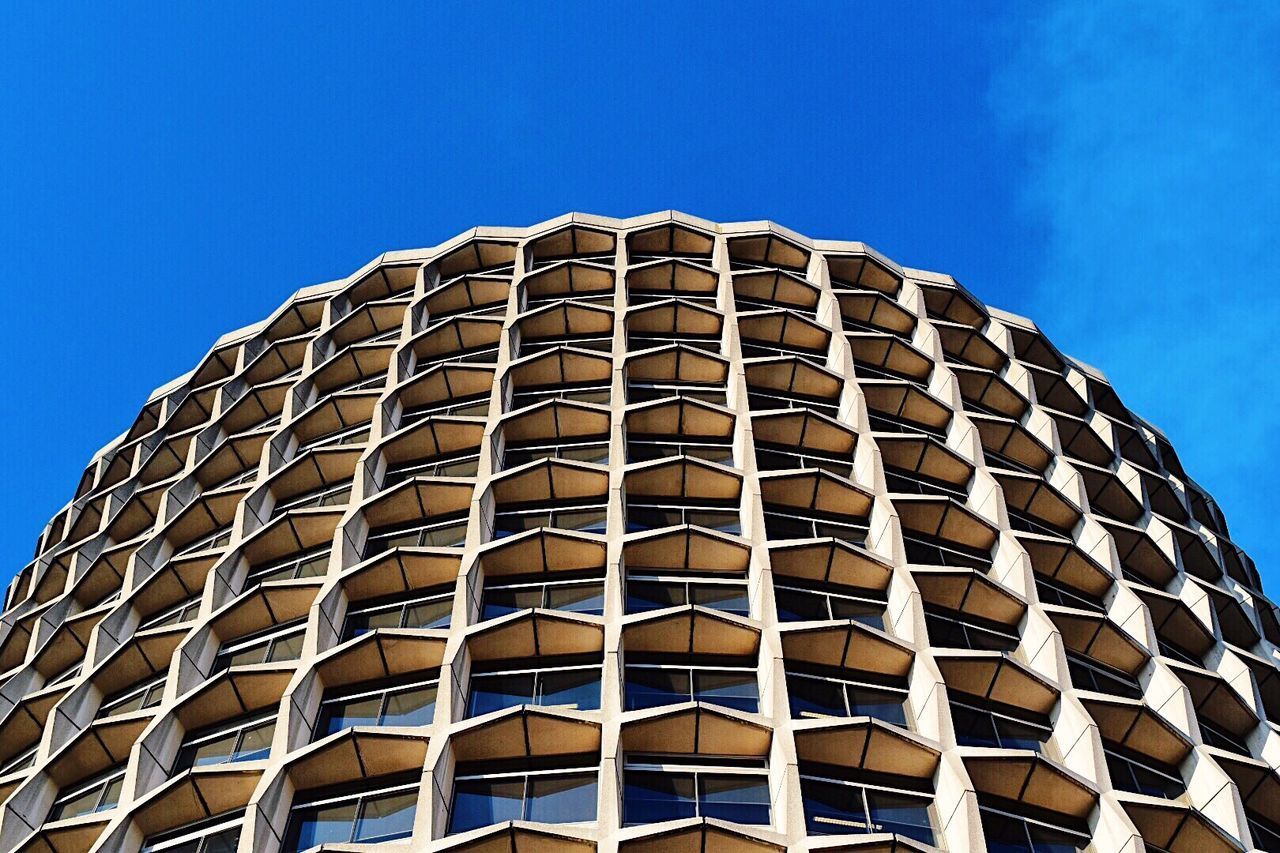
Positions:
(404, 704)
(382, 814)
(818, 696)
(239, 740)
(999, 726)
(423, 609)
(837, 807)
(961, 631)
(549, 796)
(1142, 775)
(655, 592)
(660, 788)
(652, 685)
(1089, 674)
(581, 595)
(806, 605)
(1010, 833)
(574, 686)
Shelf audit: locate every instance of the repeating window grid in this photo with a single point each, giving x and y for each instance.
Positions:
(923, 318)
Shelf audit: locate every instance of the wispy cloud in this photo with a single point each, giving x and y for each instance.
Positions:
(1154, 132)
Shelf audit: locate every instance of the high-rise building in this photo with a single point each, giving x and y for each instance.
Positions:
(645, 535)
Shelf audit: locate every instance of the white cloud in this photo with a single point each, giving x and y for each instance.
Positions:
(1153, 132)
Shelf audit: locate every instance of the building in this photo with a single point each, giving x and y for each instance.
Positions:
(644, 535)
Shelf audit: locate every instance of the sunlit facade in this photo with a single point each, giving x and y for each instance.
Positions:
(651, 535)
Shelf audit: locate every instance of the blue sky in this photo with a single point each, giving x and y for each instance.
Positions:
(173, 171)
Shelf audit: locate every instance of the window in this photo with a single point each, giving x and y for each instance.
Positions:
(596, 452)
(475, 405)
(762, 401)
(806, 605)
(419, 533)
(571, 595)
(649, 685)
(1089, 674)
(460, 465)
(144, 694)
(784, 523)
(648, 448)
(65, 674)
(655, 592)
(642, 516)
(778, 458)
(640, 392)
(412, 704)
(817, 696)
(240, 740)
(1170, 649)
(424, 609)
(310, 564)
(1025, 522)
(380, 815)
(1055, 592)
(599, 343)
(220, 834)
(330, 494)
(567, 685)
(279, 643)
(880, 422)
(183, 611)
(97, 794)
(589, 518)
(901, 481)
(24, 759)
(1010, 833)
(209, 542)
(955, 630)
(841, 807)
(1142, 775)
(658, 788)
(357, 434)
(547, 796)
(936, 552)
(999, 726)
(1215, 735)
(584, 392)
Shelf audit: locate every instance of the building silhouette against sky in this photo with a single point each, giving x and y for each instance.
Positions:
(646, 535)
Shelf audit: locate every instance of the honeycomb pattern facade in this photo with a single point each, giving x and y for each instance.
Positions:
(649, 534)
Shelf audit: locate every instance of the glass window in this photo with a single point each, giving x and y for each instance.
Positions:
(652, 592)
(239, 740)
(554, 796)
(653, 685)
(573, 596)
(144, 694)
(814, 696)
(1088, 674)
(782, 523)
(660, 788)
(98, 794)
(24, 759)
(1009, 833)
(639, 392)
(642, 517)
(330, 494)
(382, 815)
(220, 834)
(575, 687)
(805, 605)
(416, 534)
(463, 465)
(935, 552)
(837, 807)
(412, 704)
(1141, 775)
(596, 452)
(647, 448)
(962, 631)
(777, 458)
(999, 727)
(425, 609)
(183, 611)
(311, 564)
(589, 519)
(280, 643)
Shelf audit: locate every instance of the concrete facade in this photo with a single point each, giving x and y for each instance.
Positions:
(652, 534)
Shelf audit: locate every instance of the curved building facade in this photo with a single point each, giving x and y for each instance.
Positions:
(653, 534)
